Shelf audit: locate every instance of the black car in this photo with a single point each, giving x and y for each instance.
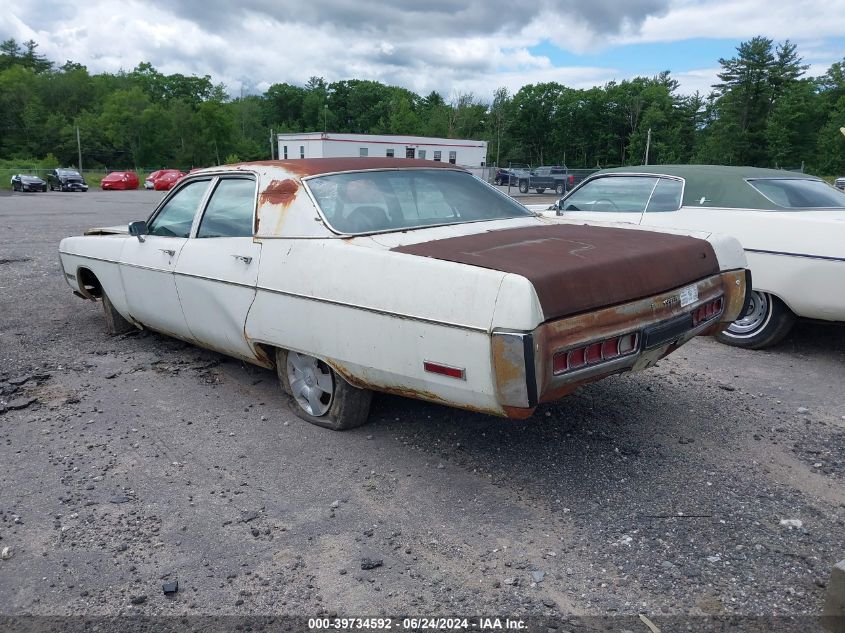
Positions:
(24, 182)
(66, 180)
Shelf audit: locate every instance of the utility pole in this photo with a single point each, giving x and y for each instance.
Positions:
(79, 149)
(647, 145)
(325, 115)
(272, 144)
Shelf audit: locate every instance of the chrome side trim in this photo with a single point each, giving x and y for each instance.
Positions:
(802, 255)
(410, 317)
(400, 315)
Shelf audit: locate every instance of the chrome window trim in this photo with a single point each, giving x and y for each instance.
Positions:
(779, 207)
(217, 179)
(637, 174)
(328, 225)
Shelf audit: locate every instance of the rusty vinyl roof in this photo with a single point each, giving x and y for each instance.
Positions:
(315, 166)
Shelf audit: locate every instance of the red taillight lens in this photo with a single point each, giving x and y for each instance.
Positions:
(577, 357)
(707, 311)
(571, 180)
(594, 353)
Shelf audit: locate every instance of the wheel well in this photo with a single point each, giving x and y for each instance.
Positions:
(89, 285)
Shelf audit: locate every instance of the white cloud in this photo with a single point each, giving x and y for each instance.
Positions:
(442, 45)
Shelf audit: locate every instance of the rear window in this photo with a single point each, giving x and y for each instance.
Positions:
(395, 200)
(799, 193)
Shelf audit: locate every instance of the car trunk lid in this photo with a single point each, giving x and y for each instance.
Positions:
(576, 268)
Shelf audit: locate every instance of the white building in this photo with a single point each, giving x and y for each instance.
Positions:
(335, 145)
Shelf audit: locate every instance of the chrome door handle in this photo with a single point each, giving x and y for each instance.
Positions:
(245, 259)
(168, 251)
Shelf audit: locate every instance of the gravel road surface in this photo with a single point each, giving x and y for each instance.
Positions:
(712, 484)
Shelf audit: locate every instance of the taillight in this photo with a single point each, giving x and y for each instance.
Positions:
(595, 353)
(707, 311)
(571, 180)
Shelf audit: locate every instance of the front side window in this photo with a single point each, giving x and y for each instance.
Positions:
(177, 214)
(394, 200)
(612, 194)
(798, 193)
(230, 210)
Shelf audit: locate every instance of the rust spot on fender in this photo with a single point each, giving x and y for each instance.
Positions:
(279, 192)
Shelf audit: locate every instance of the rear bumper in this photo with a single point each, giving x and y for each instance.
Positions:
(523, 361)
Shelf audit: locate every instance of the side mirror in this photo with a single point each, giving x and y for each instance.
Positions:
(138, 229)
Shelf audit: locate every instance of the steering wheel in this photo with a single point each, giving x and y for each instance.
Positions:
(609, 202)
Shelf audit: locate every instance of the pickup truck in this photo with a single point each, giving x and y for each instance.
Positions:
(542, 178)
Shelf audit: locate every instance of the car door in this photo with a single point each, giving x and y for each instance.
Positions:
(148, 262)
(610, 198)
(217, 270)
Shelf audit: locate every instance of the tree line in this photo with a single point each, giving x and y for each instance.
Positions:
(764, 111)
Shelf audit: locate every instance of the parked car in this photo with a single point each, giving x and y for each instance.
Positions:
(791, 225)
(839, 183)
(542, 178)
(504, 177)
(354, 275)
(25, 182)
(120, 180)
(167, 179)
(149, 181)
(66, 180)
(163, 179)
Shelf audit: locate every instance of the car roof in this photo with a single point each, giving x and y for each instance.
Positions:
(717, 185)
(305, 167)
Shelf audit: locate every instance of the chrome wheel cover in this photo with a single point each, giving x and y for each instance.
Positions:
(755, 317)
(311, 383)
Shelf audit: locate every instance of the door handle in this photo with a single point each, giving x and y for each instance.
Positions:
(245, 259)
(168, 251)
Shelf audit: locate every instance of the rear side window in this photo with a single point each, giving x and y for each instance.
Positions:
(612, 194)
(666, 196)
(177, 215)
(230, 210)
(797, 193)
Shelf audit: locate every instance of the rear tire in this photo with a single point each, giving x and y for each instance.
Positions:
(766, 323)
(523, 186)
(115, 323)
(319, 395)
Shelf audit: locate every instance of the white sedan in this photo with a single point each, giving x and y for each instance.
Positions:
(791, 225)
(411, 277)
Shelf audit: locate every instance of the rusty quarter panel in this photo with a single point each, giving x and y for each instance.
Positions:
(576, 268)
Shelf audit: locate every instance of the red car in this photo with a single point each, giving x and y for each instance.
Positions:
(163, 179)
(120, 180)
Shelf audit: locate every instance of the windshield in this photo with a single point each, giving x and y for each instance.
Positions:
(797, 193)
(396, 200)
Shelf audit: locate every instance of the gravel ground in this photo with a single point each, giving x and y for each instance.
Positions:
(712, 484)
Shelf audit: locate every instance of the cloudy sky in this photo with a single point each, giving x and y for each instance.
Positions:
(445, 45)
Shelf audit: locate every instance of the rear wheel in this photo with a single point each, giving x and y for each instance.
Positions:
(523, 186)
(115, 323)
(320, 396)
(766, 322)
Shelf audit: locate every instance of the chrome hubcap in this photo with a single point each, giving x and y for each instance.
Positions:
(754, 317)
(311, 383)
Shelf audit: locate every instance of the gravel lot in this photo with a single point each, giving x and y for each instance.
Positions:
(712, 484)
